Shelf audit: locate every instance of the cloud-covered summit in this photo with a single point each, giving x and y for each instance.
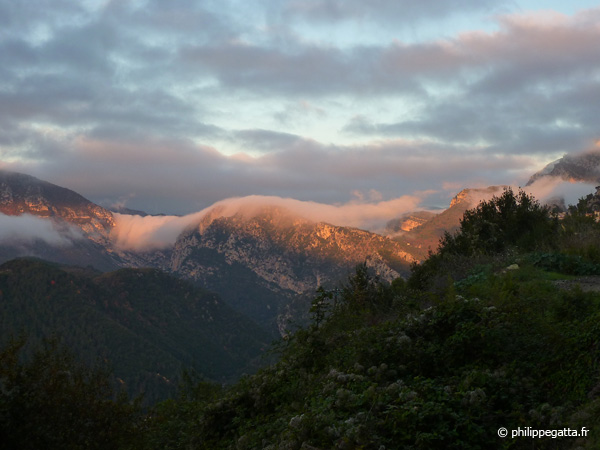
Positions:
(151, 232)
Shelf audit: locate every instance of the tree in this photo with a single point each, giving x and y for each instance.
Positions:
(51, 401)
(508, 221)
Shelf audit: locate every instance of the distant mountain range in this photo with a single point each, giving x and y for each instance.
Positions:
(257, 262)
(265, 265)
(24, 194)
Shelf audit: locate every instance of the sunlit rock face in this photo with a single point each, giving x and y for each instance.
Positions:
(470, 198)
(287, 250)
(54, 223)
(426, 236)
(24, 194)
(281, 255)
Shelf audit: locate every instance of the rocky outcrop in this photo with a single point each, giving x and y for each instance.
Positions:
(470, 198)
(24, 194)
(288, 251)
(280, 256)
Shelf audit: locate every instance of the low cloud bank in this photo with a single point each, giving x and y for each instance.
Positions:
(134, 232)
(548, 188)
(154, 232)
(27, 229)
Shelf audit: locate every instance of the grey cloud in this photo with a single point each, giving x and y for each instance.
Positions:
(188, 20)
(300, 111)
(172, 175)
(113, 102)
(524, 89)
(302, 70)
(396, 166)
(179, 177)
(27, 17)
(268, 140)
(520, 56)
(25, 229)
(391, 11)
(523, 122)
(92, 70)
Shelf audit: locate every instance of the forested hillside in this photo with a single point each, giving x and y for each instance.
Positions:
(146, 324)
(492, 331)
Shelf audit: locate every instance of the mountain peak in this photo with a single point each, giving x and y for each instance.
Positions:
(24, 194)
(267, 215)
(579, 167)
(471, 197)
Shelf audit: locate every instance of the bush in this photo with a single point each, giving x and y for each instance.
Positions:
(501, 227)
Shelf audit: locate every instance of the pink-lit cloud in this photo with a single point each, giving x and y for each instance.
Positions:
(549, 188)
(151, 232)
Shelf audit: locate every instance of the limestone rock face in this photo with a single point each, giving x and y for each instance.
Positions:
(279, 254)
(284, 249)
(470, 198)
(81, 228)
(24, 194)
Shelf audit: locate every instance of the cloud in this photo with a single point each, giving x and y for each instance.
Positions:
(158, 232)
(151, 232)
(388, 11)
(267, 140)
(548, 188)
(177, 176)
(300, 111)
(297, 71)
(178, 105)
(506, 85)
(27, 229)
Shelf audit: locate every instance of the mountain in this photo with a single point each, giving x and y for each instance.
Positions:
(581, 167)
(132, 212)
(24, 194)
(260, 262)
(76, 230)
(427, 235)
(147, 324)
(408, 221)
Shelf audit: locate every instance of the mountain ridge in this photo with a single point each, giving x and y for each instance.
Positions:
(22, 194)
(271, 251)
(579, 167)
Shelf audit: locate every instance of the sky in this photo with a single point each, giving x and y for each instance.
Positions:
(171, 106)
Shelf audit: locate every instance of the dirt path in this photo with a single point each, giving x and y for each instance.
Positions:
(587, 284)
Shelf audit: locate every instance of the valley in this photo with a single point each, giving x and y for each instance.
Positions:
(212, 295)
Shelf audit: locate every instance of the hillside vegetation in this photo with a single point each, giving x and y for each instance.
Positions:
(478, 338)
(146, 324)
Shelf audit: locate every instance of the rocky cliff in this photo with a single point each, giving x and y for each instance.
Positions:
(24, 194)
(280, 254)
